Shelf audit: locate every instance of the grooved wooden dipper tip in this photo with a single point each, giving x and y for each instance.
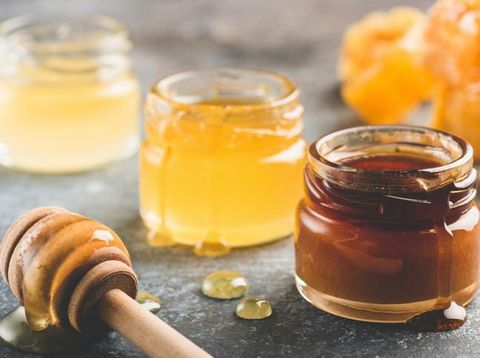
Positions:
(68, 269)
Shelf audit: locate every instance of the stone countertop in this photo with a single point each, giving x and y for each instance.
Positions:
(299, 38)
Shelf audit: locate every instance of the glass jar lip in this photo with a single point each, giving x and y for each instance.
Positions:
(161, 89)
(115, 34)
(388, 181)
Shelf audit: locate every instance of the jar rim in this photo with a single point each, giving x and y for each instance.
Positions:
(163, 89)
(54, 33)
(391, 181)
(61, 50)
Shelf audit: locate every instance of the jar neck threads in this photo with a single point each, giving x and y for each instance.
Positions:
(453, 158)
(240, 97)
(391, 174)
(448, 202)
(55, 51)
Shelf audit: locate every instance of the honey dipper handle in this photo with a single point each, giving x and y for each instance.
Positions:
(145, 330)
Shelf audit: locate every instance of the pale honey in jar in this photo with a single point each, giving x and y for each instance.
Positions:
(68, 98)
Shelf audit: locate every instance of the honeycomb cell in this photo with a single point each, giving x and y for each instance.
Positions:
(373, 37)
(381, 64)
(457, 110)
(452, 38)
(389, 90)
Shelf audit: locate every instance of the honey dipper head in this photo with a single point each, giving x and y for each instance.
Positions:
(59, 264)
(16, 231)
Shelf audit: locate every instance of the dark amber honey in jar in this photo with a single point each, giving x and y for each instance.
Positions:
(388, 228)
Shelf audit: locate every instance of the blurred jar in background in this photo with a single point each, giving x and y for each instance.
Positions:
(222, 162)
(68, 99)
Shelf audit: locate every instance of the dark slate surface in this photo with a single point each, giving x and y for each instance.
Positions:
(299, 38)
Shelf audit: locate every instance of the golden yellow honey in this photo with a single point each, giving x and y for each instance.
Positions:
(68, 100)
(223, 158)
(456, 109)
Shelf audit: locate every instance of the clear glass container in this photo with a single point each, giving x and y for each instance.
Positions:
(389, 227)
(222, 161)
(68, 98)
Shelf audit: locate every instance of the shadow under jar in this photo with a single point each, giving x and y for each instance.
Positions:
(222, 161)
(68, 99)
(389, 227)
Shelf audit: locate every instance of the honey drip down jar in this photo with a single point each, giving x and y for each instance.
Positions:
(388, 228)
(223, 158)
(68, 98)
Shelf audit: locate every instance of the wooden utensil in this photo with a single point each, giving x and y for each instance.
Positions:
(70, 270)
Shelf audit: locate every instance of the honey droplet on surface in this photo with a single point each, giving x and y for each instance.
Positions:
(225, 285)
(439, 320)
(160, 238)
(254, 307)
(15, 332)
(149, 301)
(212, 246)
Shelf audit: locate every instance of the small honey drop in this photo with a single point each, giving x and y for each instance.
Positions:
(439, 320)
(149, 301)
(254, 307)
(225, 285)
(213, 245)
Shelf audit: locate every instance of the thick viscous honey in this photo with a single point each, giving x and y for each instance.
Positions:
(388, 228)
(253, 307)
(149, 301)
(222, 161)
(44, 255)
(225, 285)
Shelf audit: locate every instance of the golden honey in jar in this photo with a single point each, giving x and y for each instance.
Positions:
(388, 228)
(222, 160)
(68, 99)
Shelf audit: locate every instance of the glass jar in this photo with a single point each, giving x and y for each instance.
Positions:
(68, 99)
(222, 162)
(388, 228)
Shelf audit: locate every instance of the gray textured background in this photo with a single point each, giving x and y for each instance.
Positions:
(299, 38)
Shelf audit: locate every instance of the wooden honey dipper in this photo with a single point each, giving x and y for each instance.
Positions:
(69, 270)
